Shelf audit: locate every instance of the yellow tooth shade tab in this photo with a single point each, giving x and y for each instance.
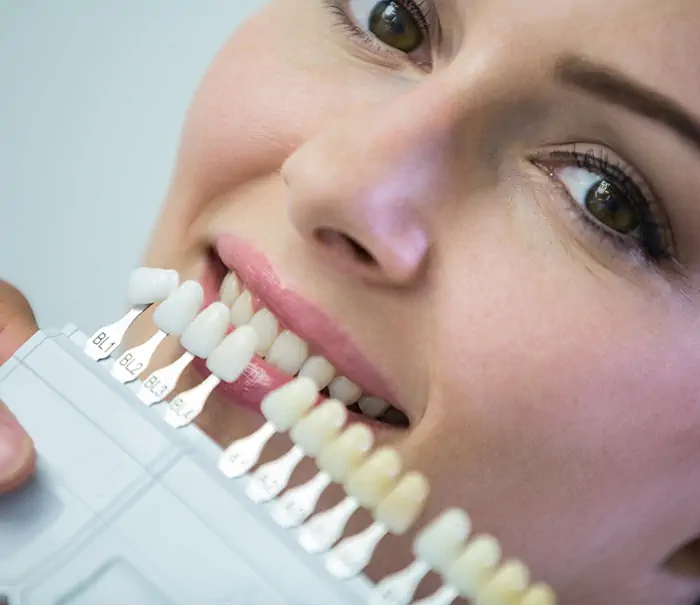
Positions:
(539, 594)
(287, 405)
(319, 427)
(373, 481)
(347, 453)
(507, 585)
(474, 568)
(402, 507)
(443, 539)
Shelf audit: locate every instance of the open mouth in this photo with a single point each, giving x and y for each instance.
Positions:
(295, 339)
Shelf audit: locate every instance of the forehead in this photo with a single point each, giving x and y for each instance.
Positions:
(656, 42)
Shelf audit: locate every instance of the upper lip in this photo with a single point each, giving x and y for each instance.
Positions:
(301, 317)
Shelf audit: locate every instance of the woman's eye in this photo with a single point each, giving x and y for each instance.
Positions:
(604, 200)
(392, 22)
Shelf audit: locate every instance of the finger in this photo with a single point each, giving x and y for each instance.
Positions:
(17, 455)
(17, 321)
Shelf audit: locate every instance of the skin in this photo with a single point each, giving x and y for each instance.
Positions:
(565, 418)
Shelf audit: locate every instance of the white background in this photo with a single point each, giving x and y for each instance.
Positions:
(93, 94)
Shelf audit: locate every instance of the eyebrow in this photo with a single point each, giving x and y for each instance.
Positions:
(618, 89)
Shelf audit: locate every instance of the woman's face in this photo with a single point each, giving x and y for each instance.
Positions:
(498, 204)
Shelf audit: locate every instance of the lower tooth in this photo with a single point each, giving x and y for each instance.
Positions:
(373, 406)
(343, 390)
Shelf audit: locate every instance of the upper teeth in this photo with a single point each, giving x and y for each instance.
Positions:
(289, 353)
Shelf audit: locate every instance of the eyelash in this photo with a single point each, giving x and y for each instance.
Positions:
(652, 245)
(417, 8)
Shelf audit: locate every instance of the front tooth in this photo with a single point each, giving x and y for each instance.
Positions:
(230, 359)
(471, 570)
(318, 369)
(373, 481)
(439, 544)
(346, 453)
(342, 389)
(207, 330)
(229, 290)
(402, 507)
(265, 324)
(146, 286)
(507, 586)
(287, 405)
(242, 309)
(178, 311)
(320, 427)
(539, 594)
(288, 353)
(373, 406)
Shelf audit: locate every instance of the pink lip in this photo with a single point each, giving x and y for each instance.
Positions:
(295, 314)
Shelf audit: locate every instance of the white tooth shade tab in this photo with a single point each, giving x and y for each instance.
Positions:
(507, 586)
(441, 542)
(320, 427)
(265, 324)
(373, 481)
(147, 286)
(319, 369)
(373, 406)
(287, 405)
(343, 389)
(401, 508)
(177, 311)
(474, 567)
(539, 594)
(229, 360)
(288, 353)
(207, 330)
(229, 290)
(347, 453)
(242, 309)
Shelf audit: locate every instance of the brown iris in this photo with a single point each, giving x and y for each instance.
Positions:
(612, 207)
(395, 26)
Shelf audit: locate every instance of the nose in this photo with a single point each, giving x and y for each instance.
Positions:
(364, 191)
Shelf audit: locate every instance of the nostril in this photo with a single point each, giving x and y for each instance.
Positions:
(332, 238)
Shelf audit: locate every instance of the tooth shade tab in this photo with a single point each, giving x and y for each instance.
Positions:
(443, 539)
(539, 594)
(474, 567)
(320, 532)
(507, 585)
(296, 505)
(373, 481)
(187, 406)
(347, 453)
(400, 510)
(161, 383)
(177, 311)
(270, 479)
(344, 390)
(243, 455)
(134, 362)
(320, 427)
(265, 324)
(287, 405)
(444, 596)
(353, 554)
(288, 353)
(229, 290)
(207, 330)
(146, 286)
(399, 588)
(374, 407)
(319, 369)
(242, 309)
(106, 340)
(231, 357)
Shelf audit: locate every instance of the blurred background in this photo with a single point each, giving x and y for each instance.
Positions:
(92, 98)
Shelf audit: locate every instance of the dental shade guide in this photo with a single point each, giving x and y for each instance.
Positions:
(132, 504)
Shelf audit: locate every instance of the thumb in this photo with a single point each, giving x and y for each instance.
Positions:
(17, 325)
